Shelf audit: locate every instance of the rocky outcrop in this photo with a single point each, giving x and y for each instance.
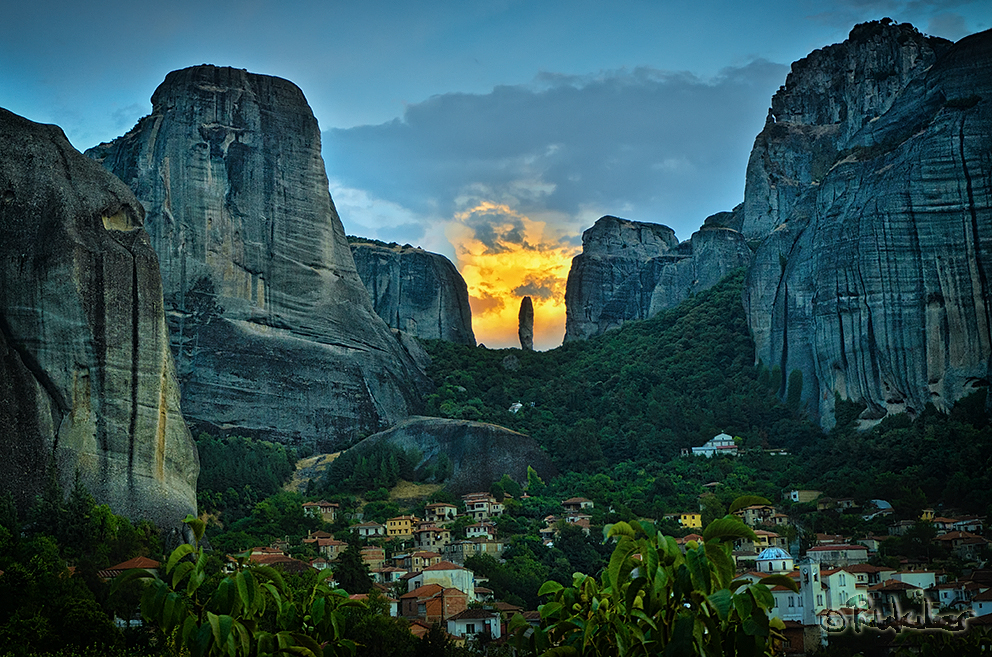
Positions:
(525, 324)
(87, 380)
(415, 291)
(479, 453)
(874, 280)
(827, 98)
(274, 333)
(630, 270)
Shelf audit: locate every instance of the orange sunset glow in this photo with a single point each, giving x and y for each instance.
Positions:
(504, 256)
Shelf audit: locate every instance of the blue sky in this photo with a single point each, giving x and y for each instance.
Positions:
(473, 129)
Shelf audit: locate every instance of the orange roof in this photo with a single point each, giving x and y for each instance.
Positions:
(137, 562)
(423, 592)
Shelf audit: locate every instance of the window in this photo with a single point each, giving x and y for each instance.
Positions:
(470, 628)
(800, 601)
(792, 601)
(843, 579)
(819, 600)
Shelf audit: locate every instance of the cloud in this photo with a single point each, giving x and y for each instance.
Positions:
(510, 179)
(668, 146)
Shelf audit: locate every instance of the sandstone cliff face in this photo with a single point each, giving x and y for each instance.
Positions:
(86, 373)
(415, 291)
(479, 453)
(630, 270)
(827, 98)
(273, 331)
(874, 284)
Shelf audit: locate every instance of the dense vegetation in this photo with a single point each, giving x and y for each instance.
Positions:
(48, 605)
(623, 404)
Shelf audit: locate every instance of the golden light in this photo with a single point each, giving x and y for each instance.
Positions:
(504, 256)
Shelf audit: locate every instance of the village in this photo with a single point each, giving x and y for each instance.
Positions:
(418, 565)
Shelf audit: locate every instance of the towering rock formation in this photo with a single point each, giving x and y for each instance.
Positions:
(827, 98)
(86, 375)
(631, 270)
(273, 331)
(525, 324)
(873, 280)
(415, 291)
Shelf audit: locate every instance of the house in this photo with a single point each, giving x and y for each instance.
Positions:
(475, 622)
(329, 547)
(804, 496)
(924, 579)
(400, 527)
(877, 508)
(758, 514)
(322, 509)
(458, 551)
(373, 557)
(892, 593)
(774, 560)
(440, 512)
(482, 506)
(981, 604)
(481, 530)
(417, 561)
(388, 574)
(431, 537)
(687, 519)
(130, 564)
(841, 589)
(433, 603)
(867, 574)
(720, 445)
(831, 539)
(577, 504)
(281, 561)
(964, 545)
(370, 530)
(969, 524)
(927, 515)
(763, 540)
(838, 555)
(448, 575)
(319, 563)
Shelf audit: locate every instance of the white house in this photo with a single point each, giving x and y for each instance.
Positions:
(981, 604)
(448, 575)
(472, 622)
(720, 445)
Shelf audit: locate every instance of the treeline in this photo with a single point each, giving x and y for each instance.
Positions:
(365, 468)
(238, 472)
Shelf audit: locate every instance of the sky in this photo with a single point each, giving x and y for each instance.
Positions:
(493, 132)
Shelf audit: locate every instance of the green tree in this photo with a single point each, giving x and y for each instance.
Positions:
(250, 613)
(653, 600)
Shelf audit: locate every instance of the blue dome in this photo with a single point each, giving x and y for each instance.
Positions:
(773, 553)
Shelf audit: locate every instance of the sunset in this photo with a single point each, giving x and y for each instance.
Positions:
(516, 257)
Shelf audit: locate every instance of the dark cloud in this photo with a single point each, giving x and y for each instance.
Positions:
(485, 303)
(546, 287)
(648, 144)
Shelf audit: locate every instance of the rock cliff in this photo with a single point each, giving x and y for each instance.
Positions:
(86, 374)
(415, 291)
(872, 280)
(630, 270)
(479, 453)
(525, 324)
(827, 98)
(274, 333)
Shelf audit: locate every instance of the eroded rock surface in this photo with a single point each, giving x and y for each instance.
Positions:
(874, 280)
(415, 291)
(274, 333)
(632, 270)
(86, 374)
